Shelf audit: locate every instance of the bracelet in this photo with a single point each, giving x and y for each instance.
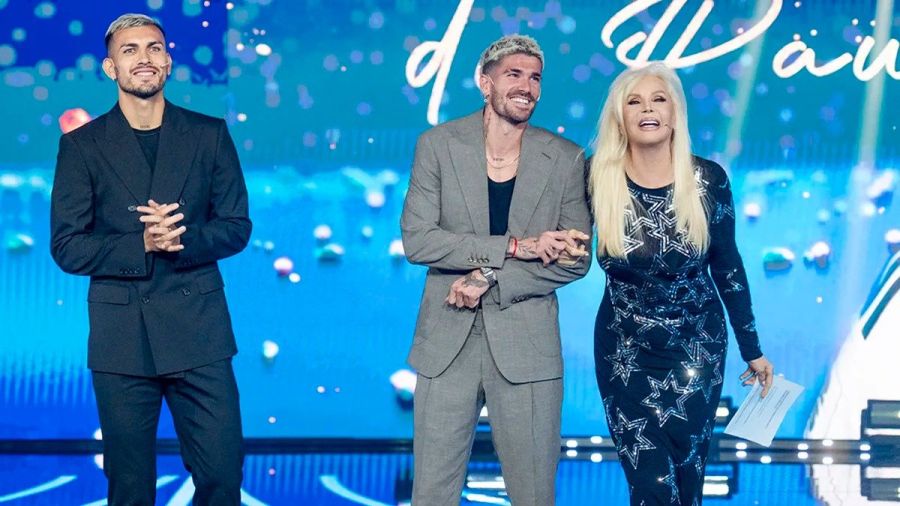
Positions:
(489, 275)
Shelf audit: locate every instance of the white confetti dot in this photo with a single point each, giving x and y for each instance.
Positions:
(283, 266)
(270, 349)
(322, 232)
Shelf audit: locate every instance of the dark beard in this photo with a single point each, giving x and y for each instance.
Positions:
(142, 92)
(504, 112)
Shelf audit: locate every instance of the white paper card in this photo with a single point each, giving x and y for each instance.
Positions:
(758, 419)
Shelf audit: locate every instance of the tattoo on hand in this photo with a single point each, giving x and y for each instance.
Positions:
(527, 248)
(471, 280)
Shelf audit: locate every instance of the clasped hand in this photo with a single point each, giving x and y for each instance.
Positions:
(161, 230)
(563, 246)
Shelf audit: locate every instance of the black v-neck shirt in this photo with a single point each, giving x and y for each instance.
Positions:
(499, 199)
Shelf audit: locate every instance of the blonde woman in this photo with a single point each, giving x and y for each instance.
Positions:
(665, 231)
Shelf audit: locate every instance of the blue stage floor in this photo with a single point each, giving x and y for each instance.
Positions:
(374, 480)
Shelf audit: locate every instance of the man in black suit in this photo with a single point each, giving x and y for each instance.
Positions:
(146, 199)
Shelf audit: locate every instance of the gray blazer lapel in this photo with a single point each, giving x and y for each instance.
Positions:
(536, 165)
(122, 152)
(174, 156)
(467, 155)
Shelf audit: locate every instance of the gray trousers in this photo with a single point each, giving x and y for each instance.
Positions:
(525, 427)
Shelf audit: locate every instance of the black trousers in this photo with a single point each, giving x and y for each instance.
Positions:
(206, 411)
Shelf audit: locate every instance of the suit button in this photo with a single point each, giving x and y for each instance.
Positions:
(145, 300)
(132, 208)
(185, 291)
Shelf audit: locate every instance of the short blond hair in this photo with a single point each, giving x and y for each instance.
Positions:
(507, 45)
(130, 20)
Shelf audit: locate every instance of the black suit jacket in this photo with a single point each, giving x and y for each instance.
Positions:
(150, 313)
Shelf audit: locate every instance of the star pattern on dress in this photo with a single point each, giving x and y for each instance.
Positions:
(627, 294)
(649, 324)
(667, 397)
(695, 290)
(704, 368)
(696, 457)
(619, 316)
(659, 292)
(631, 437)
(623, 362)
(633, 239)
(659, 266)
(656, 218)
(733, 286)
(607, 409)
(699, 465)
(722, 211)
(702, 182)
(672, 482)
(659, 208)
(669, 241)
(631, 243)
(697, 323)
(684, 284)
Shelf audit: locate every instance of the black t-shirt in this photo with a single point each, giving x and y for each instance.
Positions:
(149, 142)
(499, 199)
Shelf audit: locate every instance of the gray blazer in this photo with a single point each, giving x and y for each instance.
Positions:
(445, 227)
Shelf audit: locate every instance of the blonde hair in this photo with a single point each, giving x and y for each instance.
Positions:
(607, 185)
(130, 20)
(507, 45)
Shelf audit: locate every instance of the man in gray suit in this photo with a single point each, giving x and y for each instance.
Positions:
(496, 209)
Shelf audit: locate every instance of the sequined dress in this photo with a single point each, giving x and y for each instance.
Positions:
(660, 339)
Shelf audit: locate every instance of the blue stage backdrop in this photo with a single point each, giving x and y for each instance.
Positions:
(325, 98)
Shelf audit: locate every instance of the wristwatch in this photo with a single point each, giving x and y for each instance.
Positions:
(489, 275)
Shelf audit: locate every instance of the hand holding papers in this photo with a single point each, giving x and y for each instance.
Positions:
(758, 419)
